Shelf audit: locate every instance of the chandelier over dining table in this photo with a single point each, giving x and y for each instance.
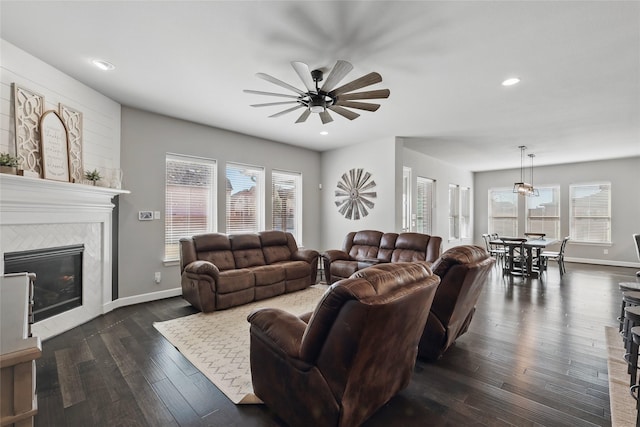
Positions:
(525, 188)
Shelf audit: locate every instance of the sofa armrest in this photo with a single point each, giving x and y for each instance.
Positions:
(203, 267)
(334, 255)
(308, 255)
(282, 329)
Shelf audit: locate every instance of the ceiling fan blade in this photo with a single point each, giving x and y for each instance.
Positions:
(278, 82)
(303, 116)
(358, 105)
(288, 110)
(366, 80)
(305, 75)
(344, 112)
(259, 92)
(372, 94)
(325, 117)
(340, 70)
(268, 104)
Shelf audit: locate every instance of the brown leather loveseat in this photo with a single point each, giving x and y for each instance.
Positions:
(362, 249)
(339, 365)
(221, 271)
(463, 271)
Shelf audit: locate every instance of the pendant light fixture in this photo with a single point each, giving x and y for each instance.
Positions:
(524, 188)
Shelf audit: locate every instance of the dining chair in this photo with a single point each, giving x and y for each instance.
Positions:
(499, 253)
(636, 239)
(516, 256)
(556, 256)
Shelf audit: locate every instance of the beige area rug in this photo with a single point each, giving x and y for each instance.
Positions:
(623, 406)
(218, 343)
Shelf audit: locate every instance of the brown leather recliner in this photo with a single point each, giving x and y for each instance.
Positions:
(463, 271)
(362, 249)
(339, 365)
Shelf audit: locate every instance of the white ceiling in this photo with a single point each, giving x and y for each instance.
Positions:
(579, 62)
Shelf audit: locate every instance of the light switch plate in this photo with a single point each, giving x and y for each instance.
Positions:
(156, 215)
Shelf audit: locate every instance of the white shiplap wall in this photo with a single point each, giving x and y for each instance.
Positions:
(101, 115)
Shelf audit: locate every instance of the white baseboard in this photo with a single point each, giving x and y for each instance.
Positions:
(137, 299)
(603, 262)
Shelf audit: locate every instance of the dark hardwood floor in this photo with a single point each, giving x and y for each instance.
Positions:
(535, 355)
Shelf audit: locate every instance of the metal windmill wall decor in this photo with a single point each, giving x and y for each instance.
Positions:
(354, 193)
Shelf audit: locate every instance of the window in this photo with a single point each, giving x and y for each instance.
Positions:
(424, 208)
(286, 203)
(465, 212)
(543, 212)
(503, 211)
(454, 212)
(590, 212)
(245, 206)
(189, 200)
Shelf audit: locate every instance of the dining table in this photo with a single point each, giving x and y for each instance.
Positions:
(534, 265)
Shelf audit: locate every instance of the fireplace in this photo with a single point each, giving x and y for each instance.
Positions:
(58, 284)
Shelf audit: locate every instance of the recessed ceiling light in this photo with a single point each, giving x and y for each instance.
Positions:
(510, 82)
(103, 65)
(324, 132)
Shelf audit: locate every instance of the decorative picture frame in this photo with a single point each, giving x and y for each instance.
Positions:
(145, 215)
(54, 147)
(28, 109)
(72, 119)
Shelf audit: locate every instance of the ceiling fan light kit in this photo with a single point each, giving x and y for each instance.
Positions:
(322, 99)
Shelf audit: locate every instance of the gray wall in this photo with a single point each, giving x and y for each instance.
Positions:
(375, 157)
(624, 175)
(146, 138)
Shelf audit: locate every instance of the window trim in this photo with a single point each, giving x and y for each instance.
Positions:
(298, 195)
(212, 211)
(260, 197)
(575, 240)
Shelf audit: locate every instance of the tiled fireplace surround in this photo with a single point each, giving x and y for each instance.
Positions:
(37, 213)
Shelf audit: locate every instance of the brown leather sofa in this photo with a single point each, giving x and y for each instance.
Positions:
(221, 271)
(340, 364)
(365, 248)
(463, 271)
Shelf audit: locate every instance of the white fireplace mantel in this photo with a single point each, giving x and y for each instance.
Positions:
(37, 213)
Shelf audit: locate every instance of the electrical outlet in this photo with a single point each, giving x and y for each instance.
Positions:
(606, 251)
(157, 277)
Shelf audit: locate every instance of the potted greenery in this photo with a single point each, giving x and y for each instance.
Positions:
(93, 176)
(8, 164)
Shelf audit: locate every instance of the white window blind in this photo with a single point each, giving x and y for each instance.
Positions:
(454, 212)
(590, 212)
(503, 212)
(465, 212)
(245, 206)
(189, 200)
(424, 208)
(286, 203)
(543, 212)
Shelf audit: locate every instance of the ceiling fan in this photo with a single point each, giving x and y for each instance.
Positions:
(320, 99)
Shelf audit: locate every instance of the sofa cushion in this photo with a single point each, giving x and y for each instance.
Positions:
(247, 250)
(275, 246)
(268, 274)
(387, 245)
(235, 280)
(274, 254)
(410, 247)
(215, 248)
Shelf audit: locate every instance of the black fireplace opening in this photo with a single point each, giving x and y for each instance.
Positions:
(58, 284)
